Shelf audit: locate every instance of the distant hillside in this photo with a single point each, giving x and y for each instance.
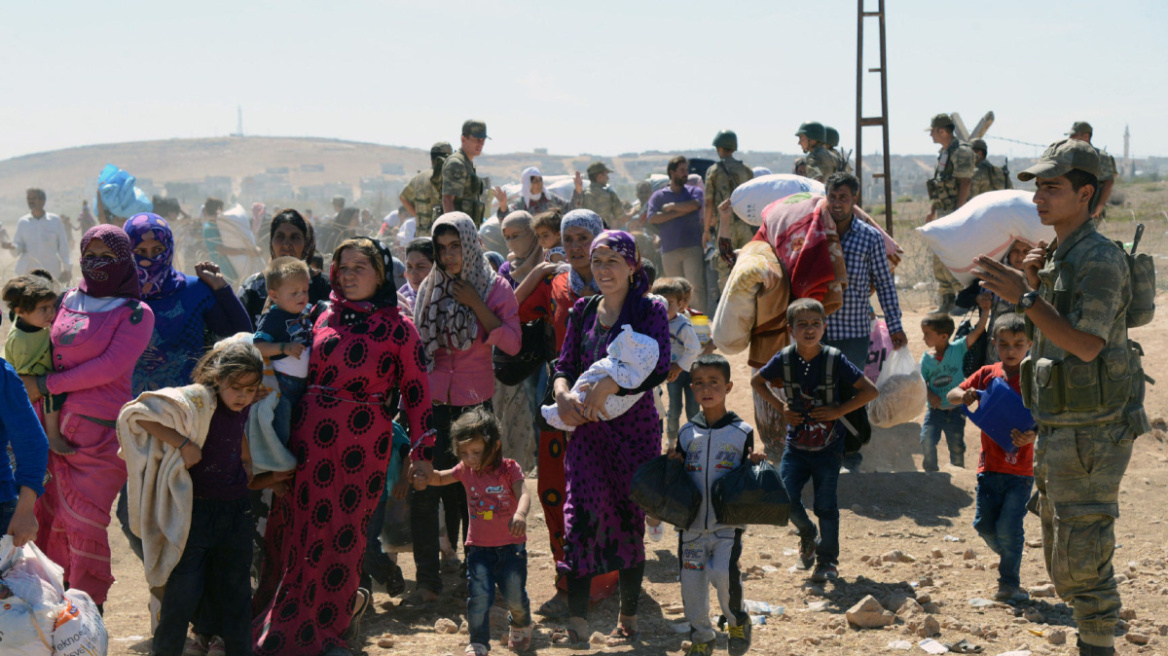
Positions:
(307, 172)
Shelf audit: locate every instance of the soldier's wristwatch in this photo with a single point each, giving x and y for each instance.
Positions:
(1027, 301)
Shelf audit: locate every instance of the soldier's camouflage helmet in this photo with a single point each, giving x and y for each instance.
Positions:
(980, 146)
(941, 121)
(832, 135)
(813, 130)
(441, 148)
(1081, 127)
(726, 139)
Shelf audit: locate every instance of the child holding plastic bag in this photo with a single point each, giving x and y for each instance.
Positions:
(631, 358)
(217, 554)
(1004, 478)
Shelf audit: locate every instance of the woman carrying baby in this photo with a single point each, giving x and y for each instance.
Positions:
(604, 529)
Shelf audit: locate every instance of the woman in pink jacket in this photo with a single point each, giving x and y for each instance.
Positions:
(100, 331)
(463, 310)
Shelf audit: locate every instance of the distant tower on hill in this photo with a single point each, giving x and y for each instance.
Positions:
(1129, 167)
(239, 122)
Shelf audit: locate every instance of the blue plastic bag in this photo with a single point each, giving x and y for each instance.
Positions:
(999, 411)
(119, 194)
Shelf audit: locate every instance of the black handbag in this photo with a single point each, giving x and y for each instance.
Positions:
(537, 348)
(663, 489)
(975, 353)
(751, 494)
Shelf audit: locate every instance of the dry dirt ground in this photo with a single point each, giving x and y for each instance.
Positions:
(891, 505)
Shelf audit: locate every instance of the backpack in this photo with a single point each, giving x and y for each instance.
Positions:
(1142, 308)
(857, 429)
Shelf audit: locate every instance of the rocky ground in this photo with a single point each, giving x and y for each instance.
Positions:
(911, 567)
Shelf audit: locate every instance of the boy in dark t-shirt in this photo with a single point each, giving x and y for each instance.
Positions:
(1004, 478)
(812, 376)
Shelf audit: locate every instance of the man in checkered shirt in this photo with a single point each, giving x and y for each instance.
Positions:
(866, 260)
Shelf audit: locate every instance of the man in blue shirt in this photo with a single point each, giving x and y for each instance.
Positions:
(676, 211)
(850, 327)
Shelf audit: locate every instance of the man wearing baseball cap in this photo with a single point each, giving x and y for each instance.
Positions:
(600, 198)
(1082, 381)
(422, 196)
(462, 188)
(1082, 131)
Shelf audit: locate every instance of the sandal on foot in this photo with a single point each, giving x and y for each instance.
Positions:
(623, 635)
(519, 639)
(567, 637)
(420, 599)
(361, 603)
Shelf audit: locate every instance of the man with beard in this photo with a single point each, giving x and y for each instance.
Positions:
(676, 211)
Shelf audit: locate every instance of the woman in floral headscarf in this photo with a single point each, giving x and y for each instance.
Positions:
(363, 350)
(462, 311)
(603, 528)
(99, 333)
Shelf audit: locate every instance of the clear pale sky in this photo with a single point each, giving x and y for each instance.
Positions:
(599, 77)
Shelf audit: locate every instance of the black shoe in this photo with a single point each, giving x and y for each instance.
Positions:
(1091, 650)
(397, 581)
(825, 573)
(739, 637)
(807, 545)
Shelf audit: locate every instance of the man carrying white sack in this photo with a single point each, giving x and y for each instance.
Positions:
(866, 259)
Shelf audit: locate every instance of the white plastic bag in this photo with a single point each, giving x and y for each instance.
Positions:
(37, 616)
(902, 391)
(986, 225)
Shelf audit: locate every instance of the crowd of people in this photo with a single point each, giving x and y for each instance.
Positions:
(438, 360)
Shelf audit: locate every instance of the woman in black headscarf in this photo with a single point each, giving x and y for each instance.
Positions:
(291, 236)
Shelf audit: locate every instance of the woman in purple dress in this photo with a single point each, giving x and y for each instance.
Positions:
(604, 530)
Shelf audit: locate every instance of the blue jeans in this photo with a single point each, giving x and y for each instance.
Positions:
(952, 424)
(677, 390)
(1001, 507)
(291, 389)
(822, 469)
(215, 561)
(855, 350)
(7, 510)
(487, 567)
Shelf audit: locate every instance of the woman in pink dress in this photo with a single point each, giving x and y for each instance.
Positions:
(363, 352)
(100, 331)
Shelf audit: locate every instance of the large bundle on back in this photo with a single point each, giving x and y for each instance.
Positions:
(986, 225)
(752, 197)
(802, 232)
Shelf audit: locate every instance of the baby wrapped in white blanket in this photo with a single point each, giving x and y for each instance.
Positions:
(630, 358)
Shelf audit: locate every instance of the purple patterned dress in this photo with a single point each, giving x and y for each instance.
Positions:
(603, 529)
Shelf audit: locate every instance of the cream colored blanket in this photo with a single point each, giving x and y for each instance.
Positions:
(160, 489)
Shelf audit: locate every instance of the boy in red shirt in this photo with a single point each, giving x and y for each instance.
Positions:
(1004, 479)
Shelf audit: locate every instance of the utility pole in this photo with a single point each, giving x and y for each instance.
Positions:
(880, 121)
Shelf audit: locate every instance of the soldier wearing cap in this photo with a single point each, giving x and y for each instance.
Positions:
(721, 181)
(1082, 131)
(1082, 381)
(422, 196)
(949, 189)
(842, 163)
(462, 188)
(987, 177)
(820, 162)
(600, 198)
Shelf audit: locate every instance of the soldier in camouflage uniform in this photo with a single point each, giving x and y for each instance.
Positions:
(949, 189)
(1083, 382)
(842, 163)
(1082, 131)
(820, 162)
(422, 196)
(462, 188)
(987, 177)
(721, 180)
(600, 198)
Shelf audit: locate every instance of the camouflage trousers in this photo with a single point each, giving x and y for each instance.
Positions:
(740, 233)
(946, 283)
(1078, 472)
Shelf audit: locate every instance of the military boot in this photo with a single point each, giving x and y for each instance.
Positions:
(1091, 650)
(945, 304)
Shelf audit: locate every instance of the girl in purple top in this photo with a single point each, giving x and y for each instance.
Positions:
(603, 528)
(100, 331)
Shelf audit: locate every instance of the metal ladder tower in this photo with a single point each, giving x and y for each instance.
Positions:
(871, 121)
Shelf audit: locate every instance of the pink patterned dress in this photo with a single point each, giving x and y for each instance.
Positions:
(341, 436)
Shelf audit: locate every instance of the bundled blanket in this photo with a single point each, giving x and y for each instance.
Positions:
(802, 233)
(160, 489)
